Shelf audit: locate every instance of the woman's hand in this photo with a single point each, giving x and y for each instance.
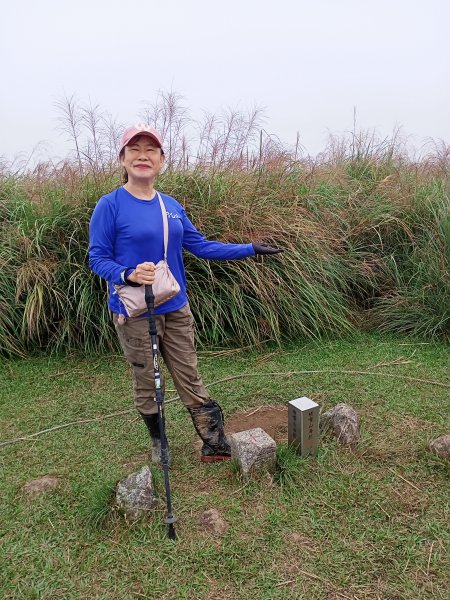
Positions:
(144, 274)
(263, 248)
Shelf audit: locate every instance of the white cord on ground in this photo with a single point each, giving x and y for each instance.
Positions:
(32, 436)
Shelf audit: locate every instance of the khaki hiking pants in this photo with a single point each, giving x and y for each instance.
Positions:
(176, 345)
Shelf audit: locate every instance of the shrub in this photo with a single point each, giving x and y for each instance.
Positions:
(365, 234)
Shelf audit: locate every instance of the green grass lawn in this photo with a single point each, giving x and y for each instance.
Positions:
(367, 523)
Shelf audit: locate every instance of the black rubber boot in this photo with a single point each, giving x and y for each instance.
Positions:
(152, 424)
(208, 422)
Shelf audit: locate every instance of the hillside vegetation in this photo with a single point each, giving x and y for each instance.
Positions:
(365, 232)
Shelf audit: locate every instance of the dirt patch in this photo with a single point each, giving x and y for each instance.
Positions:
(47, 483)
(273, 419)
(211, 520)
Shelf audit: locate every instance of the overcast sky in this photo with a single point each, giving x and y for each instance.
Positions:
(308, 64)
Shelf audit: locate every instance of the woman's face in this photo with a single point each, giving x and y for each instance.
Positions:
(142, 158)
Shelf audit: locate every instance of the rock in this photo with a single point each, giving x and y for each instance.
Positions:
(135, 495)
(211, 520)
(441, 446)
(41, 485)
(342, 422)
(254, 451)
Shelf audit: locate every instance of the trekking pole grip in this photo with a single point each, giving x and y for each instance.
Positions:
(150, 302)
(149, 297)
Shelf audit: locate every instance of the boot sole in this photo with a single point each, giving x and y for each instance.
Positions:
(214, 458)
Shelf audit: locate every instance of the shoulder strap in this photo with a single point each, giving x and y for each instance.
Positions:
(165, 224)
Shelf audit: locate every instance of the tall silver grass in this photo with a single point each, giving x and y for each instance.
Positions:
(364, 228)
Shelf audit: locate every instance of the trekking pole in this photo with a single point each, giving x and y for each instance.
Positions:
(170, 519)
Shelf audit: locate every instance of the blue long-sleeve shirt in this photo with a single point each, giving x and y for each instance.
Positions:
(126, 231)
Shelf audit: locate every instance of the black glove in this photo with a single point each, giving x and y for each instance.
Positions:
(264, 248)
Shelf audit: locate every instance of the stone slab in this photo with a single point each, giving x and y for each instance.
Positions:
(254, 451)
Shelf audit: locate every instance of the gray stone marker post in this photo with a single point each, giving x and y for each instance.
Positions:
(303, 426)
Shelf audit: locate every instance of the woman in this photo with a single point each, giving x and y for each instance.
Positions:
(126, 241)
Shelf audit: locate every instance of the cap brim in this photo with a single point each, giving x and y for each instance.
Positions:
(139, 133)
(150, 135)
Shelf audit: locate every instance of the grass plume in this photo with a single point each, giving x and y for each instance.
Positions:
(364, 228)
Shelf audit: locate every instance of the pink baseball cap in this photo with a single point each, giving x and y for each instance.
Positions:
(140, 129)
